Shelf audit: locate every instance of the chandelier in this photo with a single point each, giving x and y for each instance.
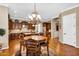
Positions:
(34, 17)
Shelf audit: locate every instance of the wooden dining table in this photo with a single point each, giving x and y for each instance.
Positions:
(38, 38)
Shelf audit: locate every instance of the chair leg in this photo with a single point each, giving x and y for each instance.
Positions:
(48, 50)
(20, 48)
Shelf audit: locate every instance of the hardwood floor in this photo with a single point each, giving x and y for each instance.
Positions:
(63, 49)
(14, 46)
(58, 49)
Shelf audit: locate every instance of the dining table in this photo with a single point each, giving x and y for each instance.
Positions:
(39, 39)
(35, 37)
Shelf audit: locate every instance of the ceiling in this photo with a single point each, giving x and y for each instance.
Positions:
(46, 10)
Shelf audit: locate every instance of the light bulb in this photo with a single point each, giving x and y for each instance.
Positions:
(38, 16)
(33, 25)
(33, 15)
(23, 26)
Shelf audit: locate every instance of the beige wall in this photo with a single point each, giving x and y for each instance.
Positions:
(70, 11)
(54, 33)
(60, 29)
(4, 25)
(52, 29)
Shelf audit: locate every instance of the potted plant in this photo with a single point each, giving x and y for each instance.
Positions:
(2, 32)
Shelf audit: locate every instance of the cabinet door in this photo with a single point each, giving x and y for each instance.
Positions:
(69, 29)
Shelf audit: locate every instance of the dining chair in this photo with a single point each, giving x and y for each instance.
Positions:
(33, 48)
(43, 44)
